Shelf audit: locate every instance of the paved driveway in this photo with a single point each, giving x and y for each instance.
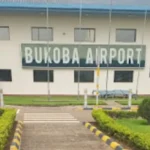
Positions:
(57, 128)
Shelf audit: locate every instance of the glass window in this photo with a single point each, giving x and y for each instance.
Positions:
(4, 33)
(42, 76)
(84, 35)
(42, 34)
(123, 76)
(84, 76)
(35, 36)
(126, 35)
(5, 75)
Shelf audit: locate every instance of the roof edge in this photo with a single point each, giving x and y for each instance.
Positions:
(73, 6)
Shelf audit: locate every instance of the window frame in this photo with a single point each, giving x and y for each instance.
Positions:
(38, 33)
(76, 71)
(10, 73)
(123, 71)
(127, 29)
(85, 29)
(44, 81)
(8, 33)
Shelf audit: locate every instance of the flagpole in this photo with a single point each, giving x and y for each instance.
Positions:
(98, 75)
(143, 34)
(109, 34)
(48, 72)
(80, 24)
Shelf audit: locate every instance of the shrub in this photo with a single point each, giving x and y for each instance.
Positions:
(1, 111)
(121, 114)
(144, 109)
(6, 123)
(109, 125)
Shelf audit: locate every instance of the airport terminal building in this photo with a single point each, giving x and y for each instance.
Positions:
(69, 40)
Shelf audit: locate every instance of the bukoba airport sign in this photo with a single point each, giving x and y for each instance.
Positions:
(87, 56)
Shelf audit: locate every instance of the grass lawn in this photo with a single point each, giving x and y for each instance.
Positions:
(43, 100)
(125, 102)
(137, 125)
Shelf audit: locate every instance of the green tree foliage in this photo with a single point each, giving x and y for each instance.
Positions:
(144, 109)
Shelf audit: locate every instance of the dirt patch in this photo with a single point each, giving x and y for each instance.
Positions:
(124, 145)
(7, 147)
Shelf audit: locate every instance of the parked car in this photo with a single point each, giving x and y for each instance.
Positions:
(114, 93)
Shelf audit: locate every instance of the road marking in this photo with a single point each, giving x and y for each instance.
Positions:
(51, 121)
(47, 113)
(49, 118)
(18, 111)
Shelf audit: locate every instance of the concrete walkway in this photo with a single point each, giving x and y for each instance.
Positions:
(57, 129)
(63, 136)
(112, 103)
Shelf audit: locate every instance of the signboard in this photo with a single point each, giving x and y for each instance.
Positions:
(65, 55)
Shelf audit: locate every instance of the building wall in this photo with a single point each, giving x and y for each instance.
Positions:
(20, 32)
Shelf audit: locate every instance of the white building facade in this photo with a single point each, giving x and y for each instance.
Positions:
(28, 48)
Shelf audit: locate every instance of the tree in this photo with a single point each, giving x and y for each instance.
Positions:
(144, 109)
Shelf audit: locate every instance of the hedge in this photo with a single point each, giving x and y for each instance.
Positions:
(6, 123)
(121, 114)
(111, 127)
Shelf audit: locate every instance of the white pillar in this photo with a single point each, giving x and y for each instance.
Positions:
(85, 98)
(1, 98)
(130, 98)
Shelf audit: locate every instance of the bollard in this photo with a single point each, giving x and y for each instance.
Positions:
(130, 98)
(85, 98)
(1, 98)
